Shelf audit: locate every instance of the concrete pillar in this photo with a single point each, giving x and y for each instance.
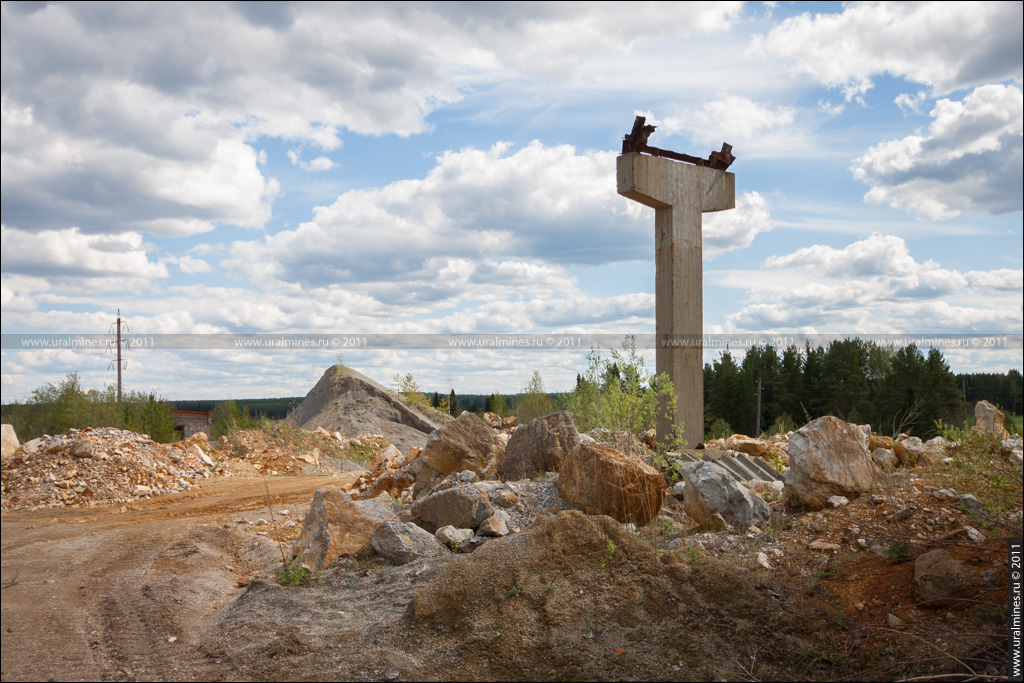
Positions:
(679, 193)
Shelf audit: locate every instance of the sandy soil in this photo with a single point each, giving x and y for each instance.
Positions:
(95, 593)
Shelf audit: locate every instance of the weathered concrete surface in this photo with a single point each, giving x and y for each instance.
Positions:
(679, 193)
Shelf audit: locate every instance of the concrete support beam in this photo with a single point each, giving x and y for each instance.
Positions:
(679, 193)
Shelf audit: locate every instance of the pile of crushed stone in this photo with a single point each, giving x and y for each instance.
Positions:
(295, 452)
(99, 465)
(349, 402)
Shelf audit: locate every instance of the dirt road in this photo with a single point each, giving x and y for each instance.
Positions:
(95, 593)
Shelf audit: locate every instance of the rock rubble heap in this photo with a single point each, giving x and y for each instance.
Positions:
(100, 465)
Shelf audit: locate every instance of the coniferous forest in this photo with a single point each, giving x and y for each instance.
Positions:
(893, 390)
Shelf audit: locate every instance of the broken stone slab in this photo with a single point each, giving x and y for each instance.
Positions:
(710, 493)
(389, 454)
(914, 450)
(82, 449)
(539, 446)
(452, 536)
(940, 580)
(762, 561)
(726, 463)
(504, 498)
(462, 506)
(9, 440)
(824, 546)
(885, 458)
(336, 525)
(767, 472)
(195, 450)
(970, 502)
(466, 443)
(495, 525)
(828, 457)
(989, 420)
(403, 542)
(745, 444)
(599, 480)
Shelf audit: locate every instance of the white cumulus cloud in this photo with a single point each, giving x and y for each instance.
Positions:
(728, 230)
(940, 44)
(970, 159)
(536, 202)
(104, 261)
(874, 285)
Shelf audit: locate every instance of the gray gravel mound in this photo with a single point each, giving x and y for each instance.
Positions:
(348, 401)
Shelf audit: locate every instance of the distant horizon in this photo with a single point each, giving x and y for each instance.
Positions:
(388, 383)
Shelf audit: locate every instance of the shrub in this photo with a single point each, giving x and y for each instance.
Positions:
(783, 424)
(55, 408)
(621, 395)
(978, 465)
(533, 402)
(229, 418)
(719, 429)
(294, 574)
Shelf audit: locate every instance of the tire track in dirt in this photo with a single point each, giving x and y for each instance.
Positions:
(97, 594)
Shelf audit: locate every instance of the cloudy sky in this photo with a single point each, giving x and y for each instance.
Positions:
(450, 168)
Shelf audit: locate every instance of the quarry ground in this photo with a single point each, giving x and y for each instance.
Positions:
(151, 592)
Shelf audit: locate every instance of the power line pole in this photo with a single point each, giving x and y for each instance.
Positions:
(118, 327)
(119, 356)
(757, 430)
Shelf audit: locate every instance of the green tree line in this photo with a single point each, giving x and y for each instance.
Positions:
(893, 390)
(55, 408)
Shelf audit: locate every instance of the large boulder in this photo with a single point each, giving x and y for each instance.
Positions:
(10, 441)
(401, 543)
(940, 580)
(878, 441)
(466, 443)
(744, 444)
(912, 451)
(602, 481)
(463, 507)
(712, 496)
(885, 458)
(336, 525)
(989, 419)
(540, 446)
(828, 457)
